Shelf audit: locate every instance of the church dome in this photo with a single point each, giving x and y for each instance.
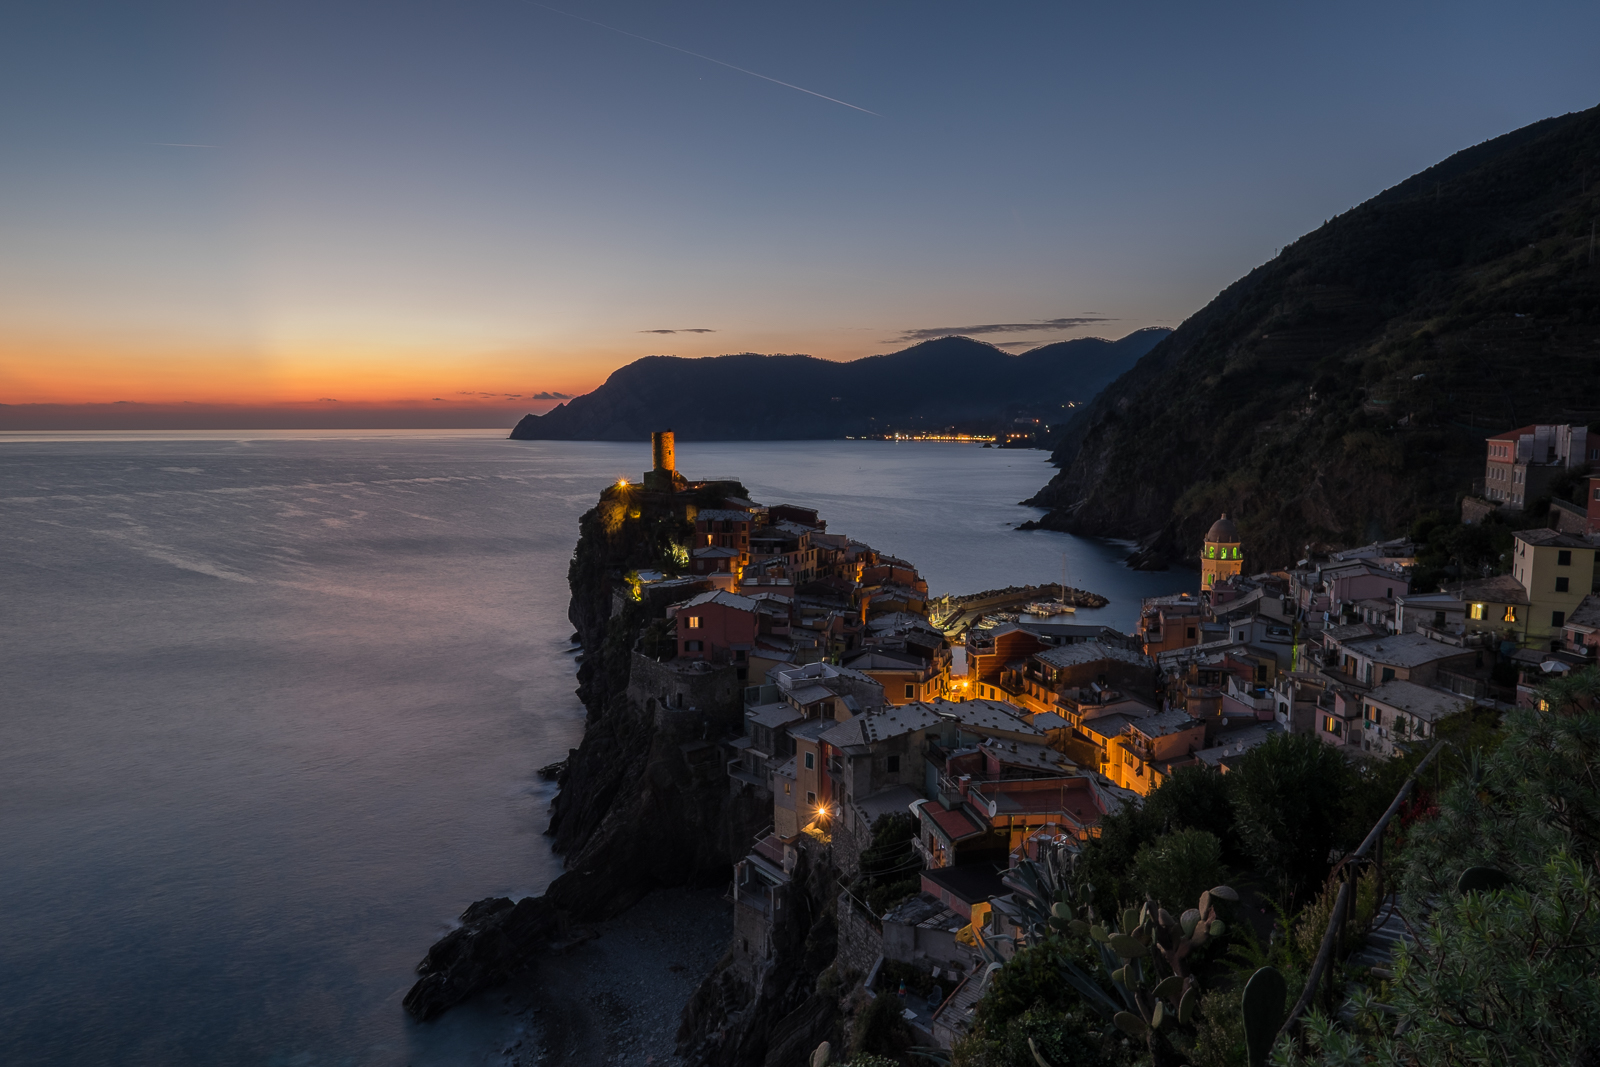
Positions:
(1223, 532)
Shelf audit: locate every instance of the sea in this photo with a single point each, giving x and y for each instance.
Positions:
(272, 706)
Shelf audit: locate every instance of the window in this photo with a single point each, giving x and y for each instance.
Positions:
(1564, 558)
(894, 764)
(911, 691)
(1511, 614)
(1477, 611)
(811, 798)
(788, 787)
(1389, 593)
(811, 761)
(1388, 674)
(693, 646)
(1191, 631)
(1561, 585)
(694, 622)
(1374, 716)
(1558, 618)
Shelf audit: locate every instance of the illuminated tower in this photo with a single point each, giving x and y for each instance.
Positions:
(663, 477)
(1221, 557)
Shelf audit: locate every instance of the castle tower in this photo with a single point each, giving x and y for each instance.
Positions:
(664, 476)
(1220, 558)
(662, 451)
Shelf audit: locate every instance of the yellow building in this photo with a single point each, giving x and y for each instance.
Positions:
(1557, 571)
(1221, 557)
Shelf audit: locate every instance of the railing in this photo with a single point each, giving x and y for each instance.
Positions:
(1344, 904)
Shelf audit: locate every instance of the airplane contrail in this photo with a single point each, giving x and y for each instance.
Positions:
(708, 59)
(174, 144)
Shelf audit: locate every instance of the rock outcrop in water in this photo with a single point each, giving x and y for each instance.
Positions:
(643, 801)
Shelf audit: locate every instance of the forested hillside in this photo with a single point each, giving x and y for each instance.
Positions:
(1337, 392)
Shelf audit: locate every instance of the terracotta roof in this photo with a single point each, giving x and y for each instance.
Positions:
(955, 824)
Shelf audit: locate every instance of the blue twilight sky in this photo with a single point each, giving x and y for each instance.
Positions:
(405, 200)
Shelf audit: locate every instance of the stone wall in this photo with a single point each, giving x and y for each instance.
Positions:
(680, 696)
(860, 937)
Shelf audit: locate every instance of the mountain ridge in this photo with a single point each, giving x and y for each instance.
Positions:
(931, 385)
(1342, 389)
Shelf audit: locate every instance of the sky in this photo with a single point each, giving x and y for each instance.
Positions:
(401, 213)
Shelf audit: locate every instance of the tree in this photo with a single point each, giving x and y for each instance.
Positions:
(1179, 866)
(1195, 798)
(1290, 794)
(1505, 975)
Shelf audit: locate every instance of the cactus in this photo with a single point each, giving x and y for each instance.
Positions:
(1263, 1011)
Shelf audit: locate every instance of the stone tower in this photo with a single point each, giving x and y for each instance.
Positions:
(664, 476)
(1220, 558)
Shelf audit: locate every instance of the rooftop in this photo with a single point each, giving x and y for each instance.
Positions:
(971, 883)
(773, 716)
(1404, 650)
(1587, 613)
(722, 515)
(1551, 539)
(1164, 723)
(981, 715)
(881, 725)
(1430, 705)
(1501, 589)
(1237, 743)
(955, 824)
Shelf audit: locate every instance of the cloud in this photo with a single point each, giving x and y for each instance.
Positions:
(551, 396)
(697, 330)
(327, 400)
(931, 332)
(1035, 343)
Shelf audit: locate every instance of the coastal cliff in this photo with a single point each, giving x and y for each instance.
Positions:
(643, 803)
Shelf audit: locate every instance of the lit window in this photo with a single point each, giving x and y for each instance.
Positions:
(694, 622)
(1511, 614)
(788, 787)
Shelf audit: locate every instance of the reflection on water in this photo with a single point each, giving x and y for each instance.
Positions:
(273, 704)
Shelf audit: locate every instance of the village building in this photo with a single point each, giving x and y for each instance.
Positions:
(1520, 465)
(1400, 711)
(1556, 571)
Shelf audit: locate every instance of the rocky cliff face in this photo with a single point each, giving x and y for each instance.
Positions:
(641, 805)
(778, 1015)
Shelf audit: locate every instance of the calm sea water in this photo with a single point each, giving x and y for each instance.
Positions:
(272, 705)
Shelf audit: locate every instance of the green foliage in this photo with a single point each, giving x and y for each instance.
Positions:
(1030, 979)
(1107, 860)
(879, 1029)
(1179, 866)
(1062, 1038)
(1505, 976)
(1195, 798)
(1219, 1036)
(1291, 793)
(1514, 807)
